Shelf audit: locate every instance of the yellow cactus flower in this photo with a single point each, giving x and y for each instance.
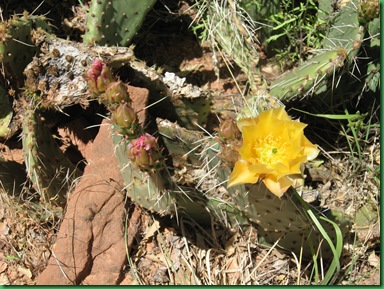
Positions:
(274, 147)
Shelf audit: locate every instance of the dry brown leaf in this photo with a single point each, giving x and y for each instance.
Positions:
(230, 246)
(24, 271)
(152, 230)
(4, 229)
(374, 260)
(233, 271)
(4, 279)
(3, 266)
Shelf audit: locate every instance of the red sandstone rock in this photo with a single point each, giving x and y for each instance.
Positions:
(90, 246)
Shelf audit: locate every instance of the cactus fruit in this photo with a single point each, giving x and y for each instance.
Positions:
(115, 23)
(115, 93)
(49, 170)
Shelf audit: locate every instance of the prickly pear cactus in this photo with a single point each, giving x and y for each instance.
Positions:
(287, 220)
(344, 30)
(114, 23)
(17, 47)
(341, 44)
(229, 31)
(5, 114)
(309, 76)
(49, 170)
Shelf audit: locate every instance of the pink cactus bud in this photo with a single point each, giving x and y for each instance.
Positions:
(144, 151)
(97, 65)
(116, 92)
(98, 77)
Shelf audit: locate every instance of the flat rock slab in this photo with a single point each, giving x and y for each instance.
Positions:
(90, 246)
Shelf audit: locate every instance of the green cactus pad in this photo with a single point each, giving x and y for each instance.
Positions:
(309, 76)
(189, 149)
(115, 22)
(344, 30)
(5, 114)
(49, 170)
(286, 219)
(192, 104)
(16, 45)
(145, 189)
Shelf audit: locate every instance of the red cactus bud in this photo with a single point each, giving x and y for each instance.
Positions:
(229, 130)
(116, 92)
(144, 151)
(98, 77)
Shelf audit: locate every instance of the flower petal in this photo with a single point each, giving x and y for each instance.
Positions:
(278, 187)
(242, 175)
(310, 150)
(247, 122)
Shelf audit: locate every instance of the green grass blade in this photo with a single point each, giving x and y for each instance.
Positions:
(349, 117)
(334, 268)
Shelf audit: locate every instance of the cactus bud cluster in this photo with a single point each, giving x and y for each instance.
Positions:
(115, 96)
(145, 152)
(368, 10)
(98, 77)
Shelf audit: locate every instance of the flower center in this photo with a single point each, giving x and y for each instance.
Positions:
(271, 151)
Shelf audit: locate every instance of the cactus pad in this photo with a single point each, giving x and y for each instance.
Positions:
(115, 22)
(49, 170)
